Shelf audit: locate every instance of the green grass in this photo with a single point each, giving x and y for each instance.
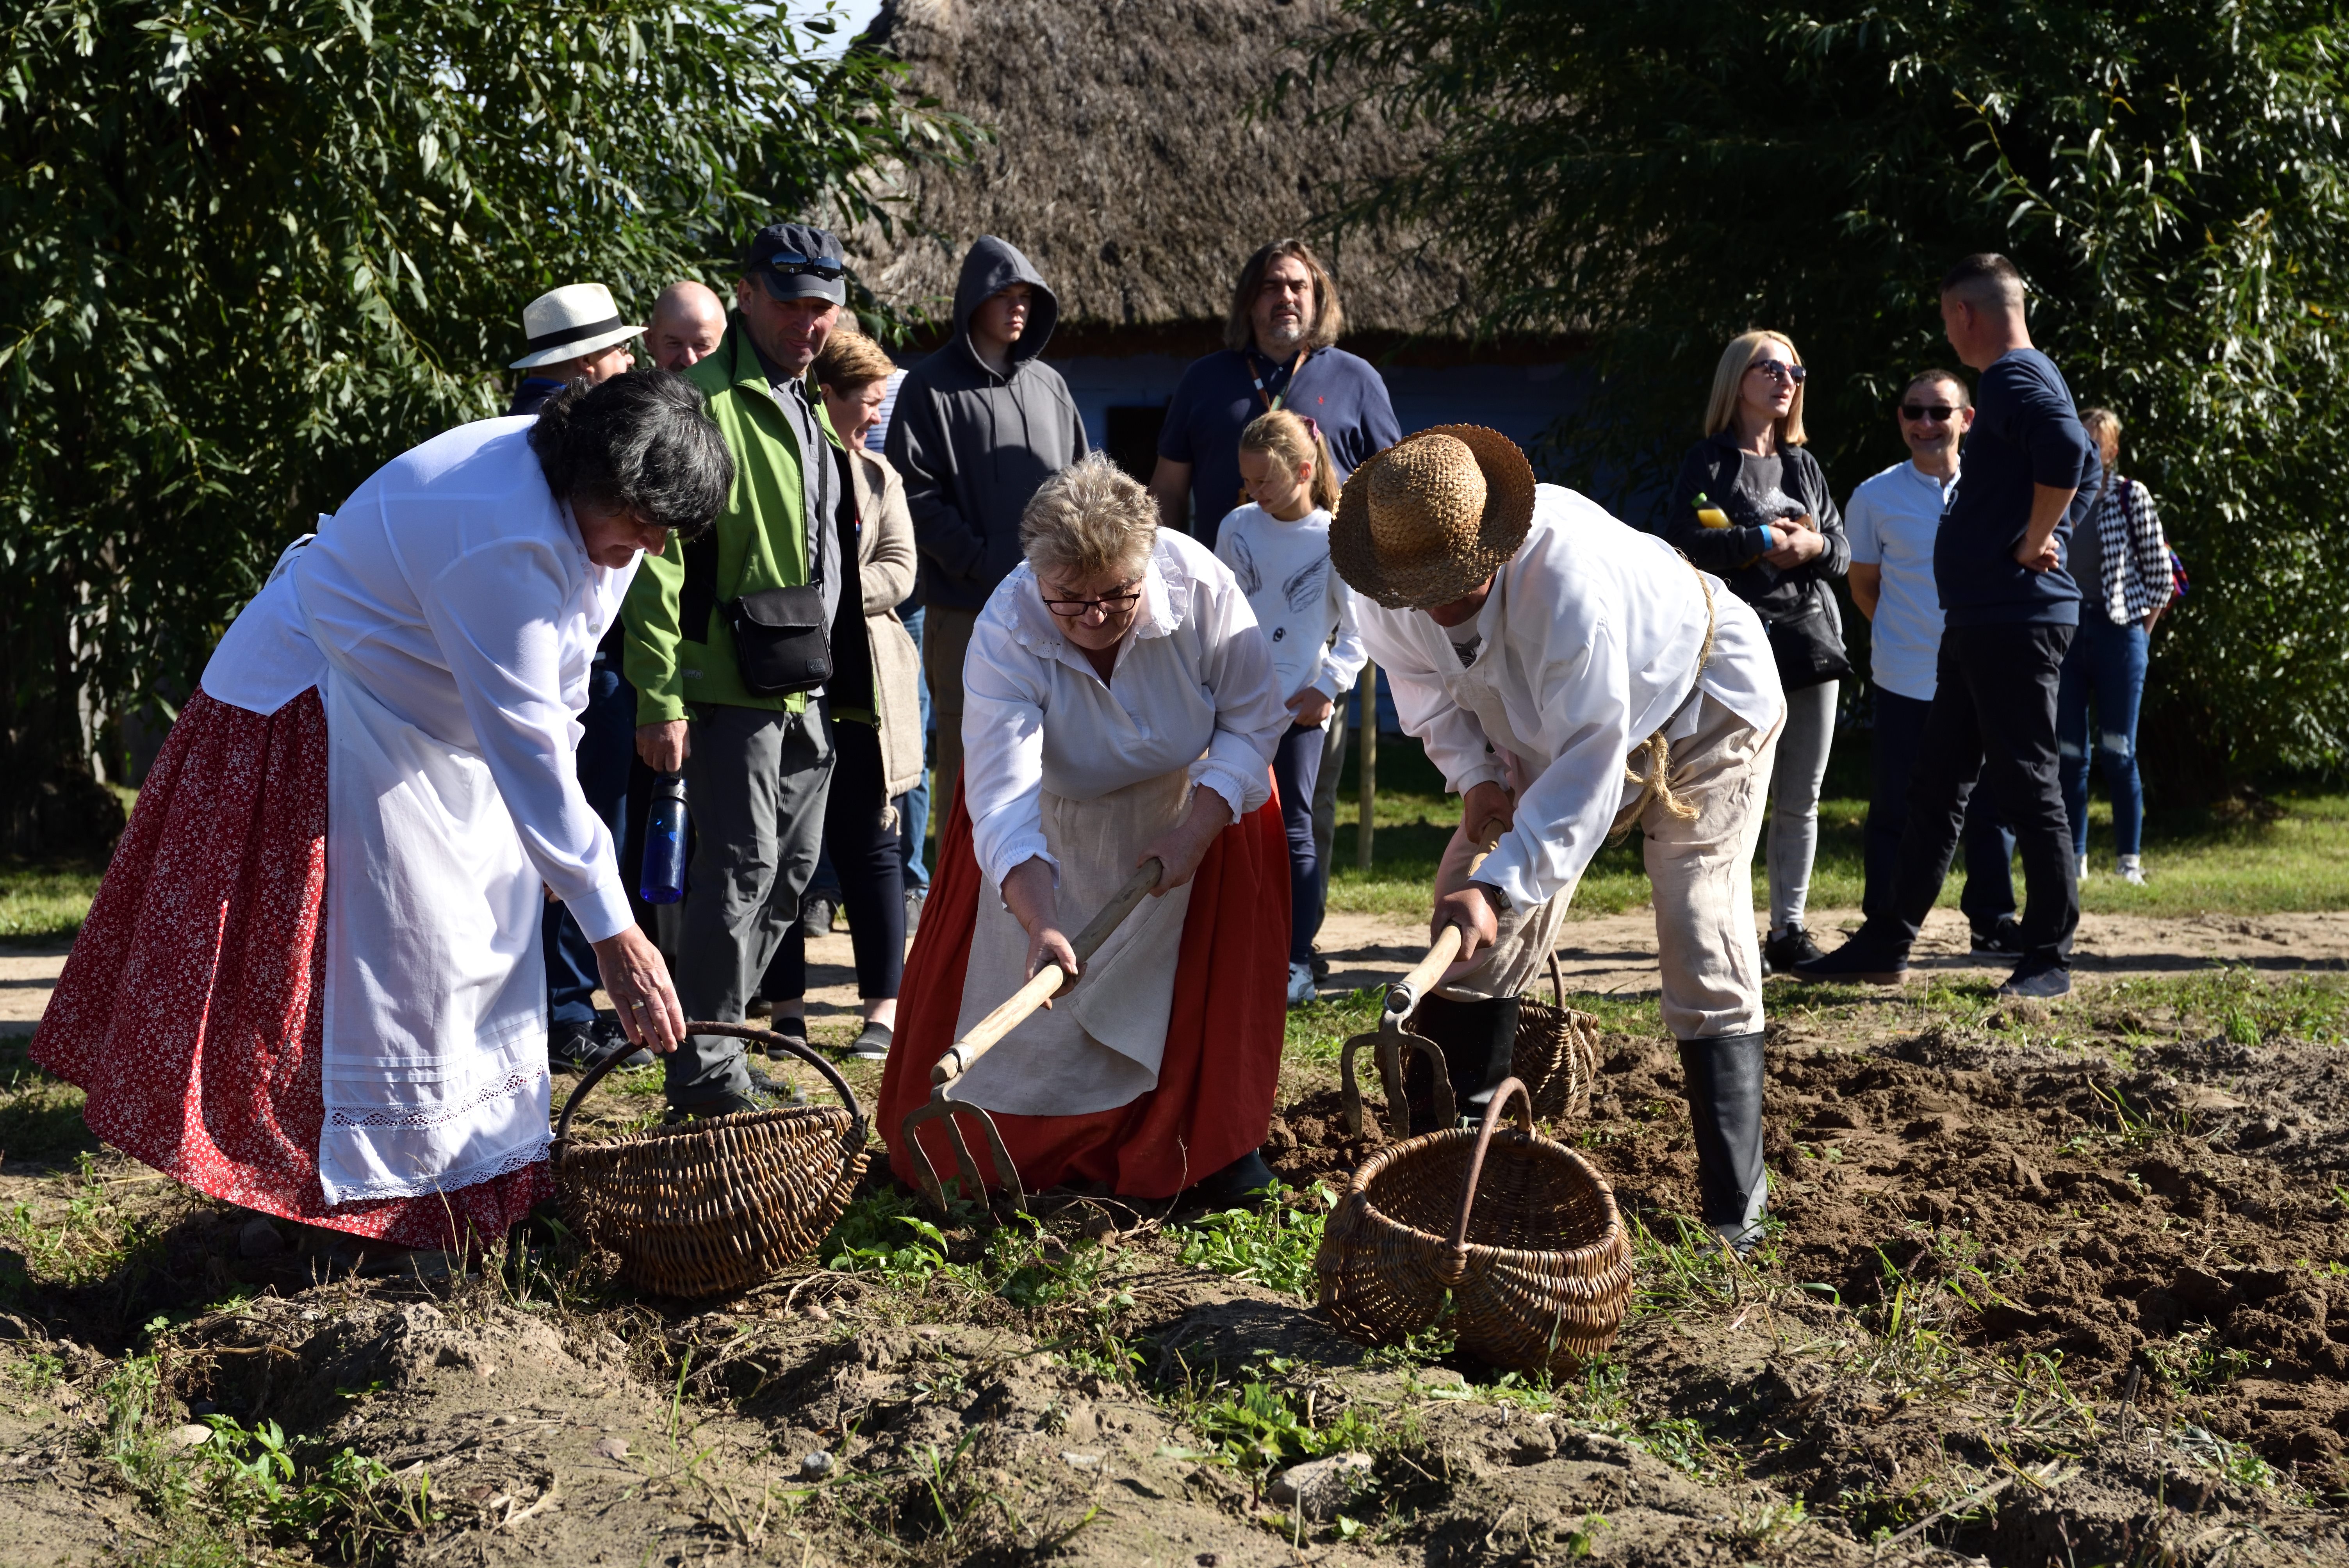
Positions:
(42, 903)
(2197, 862)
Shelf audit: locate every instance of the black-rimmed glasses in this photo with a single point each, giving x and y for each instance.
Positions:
(1918, 413)
(1776, 370)
(1108, 604)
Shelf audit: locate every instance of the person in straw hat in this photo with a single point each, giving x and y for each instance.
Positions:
(1572, 677)
(1122, 704)
(570, 334)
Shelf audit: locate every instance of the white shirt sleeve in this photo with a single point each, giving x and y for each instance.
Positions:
(1003, 750)
(1454, 740)
(1342, 664)
(1860, 528)
(1236, 661)
(496, 611)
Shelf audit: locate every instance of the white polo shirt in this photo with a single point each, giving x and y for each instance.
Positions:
(1891, 521)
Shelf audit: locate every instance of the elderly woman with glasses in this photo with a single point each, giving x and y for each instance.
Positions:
(1121, 704)
(1752, 506)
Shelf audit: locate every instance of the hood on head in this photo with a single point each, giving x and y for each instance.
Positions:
(994, 264)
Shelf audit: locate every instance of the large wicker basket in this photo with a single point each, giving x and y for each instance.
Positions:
(706, 1207)
(1539, 1271)
(1554, 1053)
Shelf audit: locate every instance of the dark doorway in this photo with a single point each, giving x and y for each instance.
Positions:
(1133, 437)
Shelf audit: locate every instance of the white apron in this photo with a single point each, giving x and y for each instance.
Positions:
(434, 1058)
(1099, 1046)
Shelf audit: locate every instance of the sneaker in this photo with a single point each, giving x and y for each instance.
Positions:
(873, 1045)
(608, 1034)
(1300, 985)
(1321, 967)
(1866, 959)
(2003, 940)
(2132, 870)
(571, 1047)
(816, 913)
(1789, 947)
(915, 898)
(2038, 980)
(2080, 869)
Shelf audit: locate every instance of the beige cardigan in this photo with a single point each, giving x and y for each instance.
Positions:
(886, 566)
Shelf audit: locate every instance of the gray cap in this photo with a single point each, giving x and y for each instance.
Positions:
(799, 261)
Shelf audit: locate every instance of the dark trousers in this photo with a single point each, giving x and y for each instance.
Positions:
(606, 750)
(1296, 764)
(868, 856)
(1993, 719)
(1899, 735)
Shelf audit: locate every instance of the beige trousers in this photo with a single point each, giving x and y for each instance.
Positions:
(1701, 873)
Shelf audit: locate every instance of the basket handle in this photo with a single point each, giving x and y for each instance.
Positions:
(1557, 982)
(613, 1058)
(1515, 1088)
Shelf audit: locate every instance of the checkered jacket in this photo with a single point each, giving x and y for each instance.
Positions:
(2133, 552)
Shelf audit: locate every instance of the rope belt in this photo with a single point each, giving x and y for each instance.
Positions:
(1655, 784)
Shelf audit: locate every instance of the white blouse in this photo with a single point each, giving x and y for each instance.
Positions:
(1304, 607)
(1587, 645)
(1192, 686)
(455, 588)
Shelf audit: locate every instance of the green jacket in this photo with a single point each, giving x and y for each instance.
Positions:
(762, 544)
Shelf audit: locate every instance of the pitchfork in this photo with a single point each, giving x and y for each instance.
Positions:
(1050, 981)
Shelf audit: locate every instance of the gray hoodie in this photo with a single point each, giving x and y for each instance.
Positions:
(973, 446)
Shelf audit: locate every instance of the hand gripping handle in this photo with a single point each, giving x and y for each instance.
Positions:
(1050, 981)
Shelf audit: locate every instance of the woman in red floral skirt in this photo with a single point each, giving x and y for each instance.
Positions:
(311, 983)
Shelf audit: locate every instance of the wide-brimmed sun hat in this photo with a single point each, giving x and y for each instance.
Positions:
(1429, 519)
(565, 323)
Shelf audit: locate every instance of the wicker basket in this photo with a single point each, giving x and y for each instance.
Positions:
(705, 1207)
(1555, 1054)
(1539, 1274)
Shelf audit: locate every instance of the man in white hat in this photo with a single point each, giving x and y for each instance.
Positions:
(1572, 677)
(570, 334)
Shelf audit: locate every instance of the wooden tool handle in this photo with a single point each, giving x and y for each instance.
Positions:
(1047, 982)
(1447, 942)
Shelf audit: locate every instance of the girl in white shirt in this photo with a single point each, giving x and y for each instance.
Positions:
(1277, 546)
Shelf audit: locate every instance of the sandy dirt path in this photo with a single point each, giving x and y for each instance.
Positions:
(1606, 952)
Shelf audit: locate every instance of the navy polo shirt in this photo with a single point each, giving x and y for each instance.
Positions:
(2026, 432)
(1217, 399)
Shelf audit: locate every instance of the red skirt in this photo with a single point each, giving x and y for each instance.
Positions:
(1222, 1066)
(190, 1013)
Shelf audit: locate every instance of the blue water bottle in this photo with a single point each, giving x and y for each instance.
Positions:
(664, 874)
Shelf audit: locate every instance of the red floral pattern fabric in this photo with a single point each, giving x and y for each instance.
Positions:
(191, 1011)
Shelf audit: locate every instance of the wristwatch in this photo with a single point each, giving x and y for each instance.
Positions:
(1493, 896)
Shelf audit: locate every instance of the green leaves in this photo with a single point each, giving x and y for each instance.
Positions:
(250, 252)
(2174, 183)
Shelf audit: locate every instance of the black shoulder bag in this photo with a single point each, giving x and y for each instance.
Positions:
(782, 644)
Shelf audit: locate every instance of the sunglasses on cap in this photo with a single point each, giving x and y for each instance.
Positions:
(1776, 371)
(791, 265)
(1918, 413)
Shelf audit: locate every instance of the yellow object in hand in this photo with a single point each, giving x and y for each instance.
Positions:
(1711, 516)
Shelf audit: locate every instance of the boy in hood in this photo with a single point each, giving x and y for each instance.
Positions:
(979, 425)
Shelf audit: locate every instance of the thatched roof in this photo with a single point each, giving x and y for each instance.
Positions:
(1131, 164)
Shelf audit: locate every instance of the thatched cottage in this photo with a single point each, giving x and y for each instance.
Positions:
(1132, 164)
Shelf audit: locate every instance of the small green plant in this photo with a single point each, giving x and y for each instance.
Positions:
(1273, 1245)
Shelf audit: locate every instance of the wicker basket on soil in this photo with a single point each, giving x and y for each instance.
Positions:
(1539, 1271)
(706, 1207)
(1555, 1052)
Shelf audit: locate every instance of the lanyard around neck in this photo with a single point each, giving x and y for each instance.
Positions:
(1271, 402)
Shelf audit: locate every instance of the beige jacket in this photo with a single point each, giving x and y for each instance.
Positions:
(886, 565)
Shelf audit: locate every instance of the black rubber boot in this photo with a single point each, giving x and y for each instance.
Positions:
(1479, 1041)
(1724, 1095)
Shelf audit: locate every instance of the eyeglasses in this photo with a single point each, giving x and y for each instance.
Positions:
(791, 265)
(1108, 604)
(1918, 413)
(1778, 370)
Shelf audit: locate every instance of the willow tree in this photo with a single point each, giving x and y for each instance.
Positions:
(1666, 174)
(255, 247)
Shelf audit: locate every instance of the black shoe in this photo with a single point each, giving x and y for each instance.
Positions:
(2003, 940)
(873, 1045)
(1790, 947)
(2037, 980)
(757, 1007)
(608, 1034)
(571, 1048)
(1866, 959)
(1241, 1180)
(791, 1029)
(816, 913)
(1320, 965)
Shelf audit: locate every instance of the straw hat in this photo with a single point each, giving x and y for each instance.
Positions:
(1426, 520)
(565, 323)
